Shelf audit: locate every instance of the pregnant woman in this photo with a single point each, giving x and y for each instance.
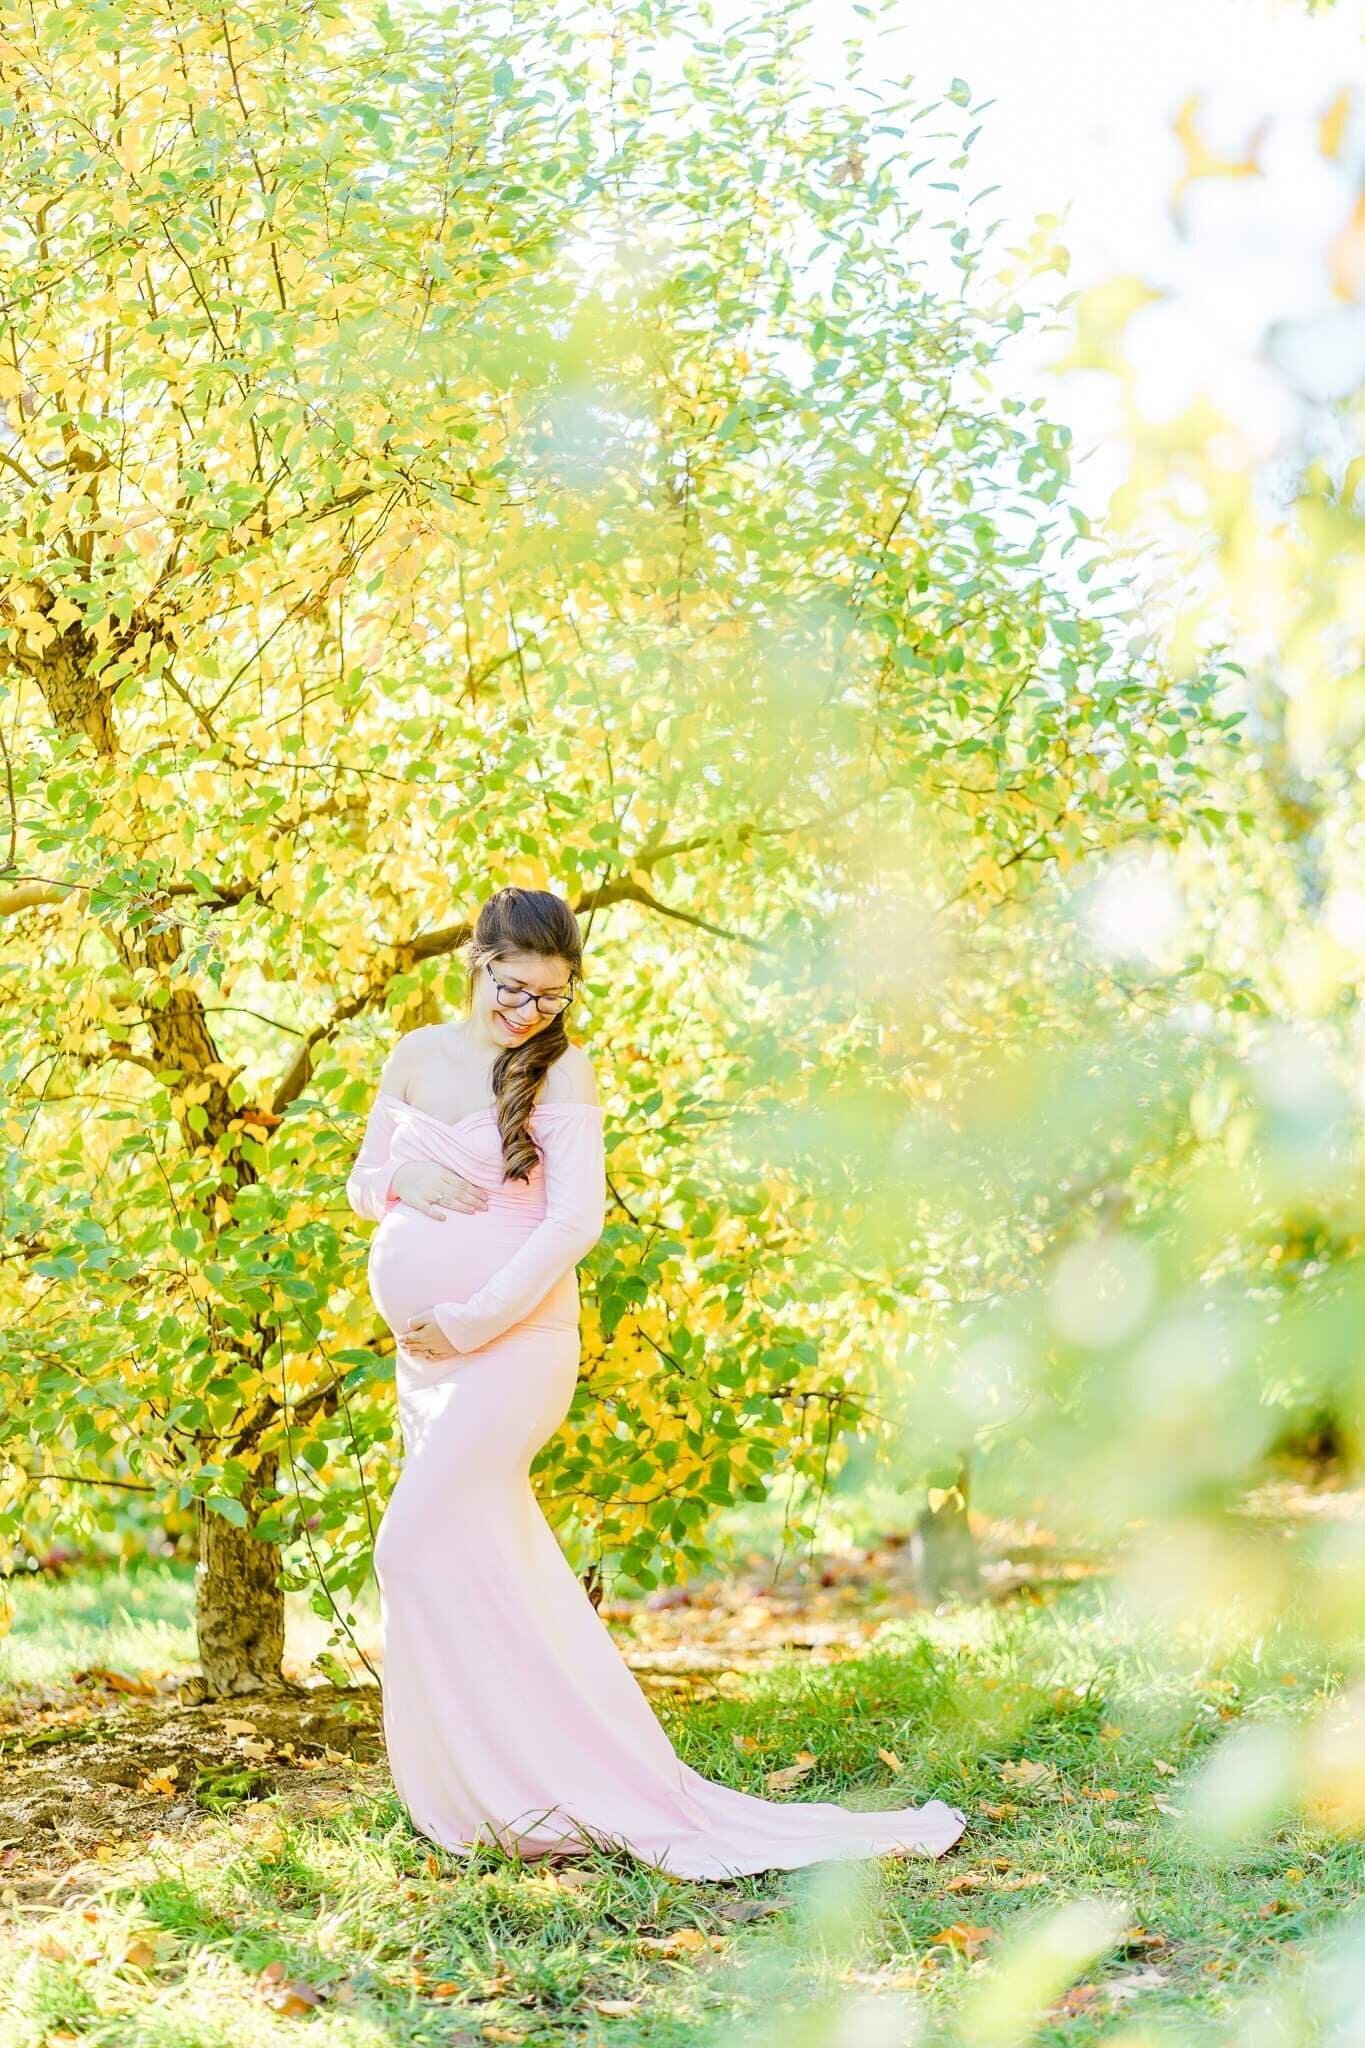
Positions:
(509, 1714)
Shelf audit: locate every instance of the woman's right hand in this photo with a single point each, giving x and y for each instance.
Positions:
(433, 1189)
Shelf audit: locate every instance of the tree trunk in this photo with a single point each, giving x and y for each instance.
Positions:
(239, 1603)
(945, 1555)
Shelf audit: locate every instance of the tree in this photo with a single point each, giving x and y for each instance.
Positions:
(374, 539)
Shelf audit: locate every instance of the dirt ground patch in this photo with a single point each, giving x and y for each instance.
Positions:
(118, 1759)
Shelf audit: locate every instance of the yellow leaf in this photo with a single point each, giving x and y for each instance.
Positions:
(1027, 1772)
(1332, 126)
(1203, 162)
(683, 1941)
(779, 1781)
(1346, 255)
(891, 1760)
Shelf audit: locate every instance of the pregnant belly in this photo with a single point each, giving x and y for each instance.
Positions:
(416, 1261)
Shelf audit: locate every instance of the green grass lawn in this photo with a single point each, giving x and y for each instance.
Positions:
(1087, 1904)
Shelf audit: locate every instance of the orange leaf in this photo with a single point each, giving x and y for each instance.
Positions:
(1076, 1999)
(963, 1937)
(292, 1998)
(117, 1681)
(891, 1760)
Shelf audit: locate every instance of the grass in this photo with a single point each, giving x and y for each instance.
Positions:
(138, 1617)
(1070, 1733)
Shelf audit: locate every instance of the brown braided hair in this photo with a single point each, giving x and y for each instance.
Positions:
(523, 921)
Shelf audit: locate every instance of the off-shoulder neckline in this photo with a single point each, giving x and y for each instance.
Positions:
(397, 1102)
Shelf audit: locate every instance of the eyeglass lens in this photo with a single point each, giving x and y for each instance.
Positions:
(516, 999)
(548, 1006)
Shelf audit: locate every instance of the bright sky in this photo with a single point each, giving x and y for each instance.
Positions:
(1084, 95)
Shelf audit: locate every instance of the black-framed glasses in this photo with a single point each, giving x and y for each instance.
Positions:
(516, 998)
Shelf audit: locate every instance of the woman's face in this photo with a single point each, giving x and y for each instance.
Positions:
(539, 973)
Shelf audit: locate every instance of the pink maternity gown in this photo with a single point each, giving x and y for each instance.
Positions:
(509, 1713)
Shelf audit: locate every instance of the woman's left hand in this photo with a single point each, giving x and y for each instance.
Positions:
(424, 1338)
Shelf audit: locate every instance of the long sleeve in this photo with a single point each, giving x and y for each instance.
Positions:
(574, 1156)
(367, 1186)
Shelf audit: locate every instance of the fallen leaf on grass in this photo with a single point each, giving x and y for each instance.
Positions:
(966, 1939)
(1006, 1810)
(1142, 1942)
(801, 1767)
(1118, 1990)
(117, 1681)
(1078, 1999)
(752, 1909)
(1027, 1771)
(889, 1977)
(683, 1941)
(288, 1995)
(967, 1881)
(610, 2008)
(891, 1760)
(494, 1986)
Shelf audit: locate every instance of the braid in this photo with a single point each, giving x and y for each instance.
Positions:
(518, 1072)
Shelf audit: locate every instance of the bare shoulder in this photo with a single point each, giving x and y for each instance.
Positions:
(570, 1079)
(406, 1058)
